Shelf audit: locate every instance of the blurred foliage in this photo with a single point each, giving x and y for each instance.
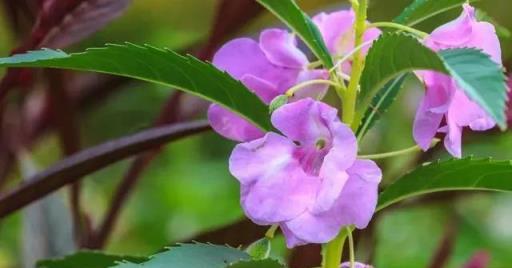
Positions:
(188, 190)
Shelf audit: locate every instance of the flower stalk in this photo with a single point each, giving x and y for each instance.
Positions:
(398, 26)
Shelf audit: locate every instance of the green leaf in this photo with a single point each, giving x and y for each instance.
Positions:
(192, 256)
(455, 174)
(268, 263)
(160, 66)
(288, 12)
(260, 249)
(380, 104)
(394, 54)
(421, 10)
(90, 259)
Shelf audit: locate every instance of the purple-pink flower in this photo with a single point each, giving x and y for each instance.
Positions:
(307, 180)
(444, 99)
(274, 64)
(268, 68)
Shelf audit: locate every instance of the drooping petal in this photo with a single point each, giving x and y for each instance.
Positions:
(453, 138)
(291, 240)
(426, 124)
(358, 200)
(275, 188)
(317, 229)
(262, 88)
(465, 112)
(280, 47)
(231, 125)
(304, 121)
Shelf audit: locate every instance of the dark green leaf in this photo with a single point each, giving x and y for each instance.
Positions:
(268, 263)
(160, 66)
(380, 104)
(394, 54)
(193, 256)
(90, 259)
(288, 12)
(455, 174)
(421, 10)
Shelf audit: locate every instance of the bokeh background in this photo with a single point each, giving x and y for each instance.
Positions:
(187, 190)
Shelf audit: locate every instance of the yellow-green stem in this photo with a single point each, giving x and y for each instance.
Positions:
(350, 96)
(352, 255)
(400, 27)
(333, 250)
(271, 231)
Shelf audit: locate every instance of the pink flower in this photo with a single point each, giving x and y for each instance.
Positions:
(444, 99)
(268, 68)
(337, 30)
(307, 180)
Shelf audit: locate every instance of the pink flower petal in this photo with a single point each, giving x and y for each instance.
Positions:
(231, 125)
(274, 186)
(280, 47)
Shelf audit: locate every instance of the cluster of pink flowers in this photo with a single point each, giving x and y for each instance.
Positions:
(307, 178)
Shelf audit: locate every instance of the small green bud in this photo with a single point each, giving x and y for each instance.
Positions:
(260, 249)
(277, 102)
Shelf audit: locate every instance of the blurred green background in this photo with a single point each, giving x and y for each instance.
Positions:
(187, 190)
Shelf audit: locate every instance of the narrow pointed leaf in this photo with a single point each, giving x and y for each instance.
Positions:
(288, 12)
(421, 10)
(380, 104)
(394, 54)
(155, 65)
(192, 256)
(457, 174)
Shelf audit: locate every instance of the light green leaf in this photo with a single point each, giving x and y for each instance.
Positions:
(455, 174)
(421, 10)
(90, 259)
(268, 263)
(394, 54)
(380, 104)
(192, 256)
(288, 12)
(160, 66)
(260, 249)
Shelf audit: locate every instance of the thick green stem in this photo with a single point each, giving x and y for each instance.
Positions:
(350, 96)
(334, 249)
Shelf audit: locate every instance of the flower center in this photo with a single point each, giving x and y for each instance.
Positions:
(311, 157)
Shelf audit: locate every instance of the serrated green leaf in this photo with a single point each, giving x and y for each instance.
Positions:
(288, 12)
(380, 104)
(268, 263)
(455, 174)
(394, 54)
(482, 80)
(192, 256)
(90, 259)
(155, 65)
(421, 10)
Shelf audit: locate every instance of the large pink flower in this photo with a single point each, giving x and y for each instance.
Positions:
(444, 99)
(307, 180)
(267, 68)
